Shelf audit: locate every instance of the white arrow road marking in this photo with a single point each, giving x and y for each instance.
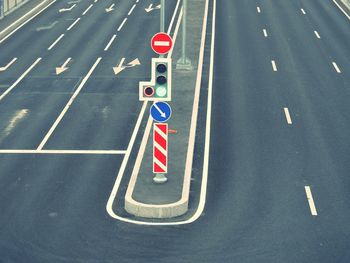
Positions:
(159, 110)
(74, 2)
(67, 9)
(47, 27)
(8, 65)
(120, 67)
(151, 8)
(109, 9)
(63, 68)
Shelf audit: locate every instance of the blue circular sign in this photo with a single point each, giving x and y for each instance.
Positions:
(160, 111)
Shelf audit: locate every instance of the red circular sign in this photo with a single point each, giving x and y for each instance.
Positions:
(161, 43)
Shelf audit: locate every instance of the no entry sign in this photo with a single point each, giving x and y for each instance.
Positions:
(161, 43)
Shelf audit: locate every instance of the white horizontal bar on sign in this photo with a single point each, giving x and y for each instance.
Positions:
(162, 43)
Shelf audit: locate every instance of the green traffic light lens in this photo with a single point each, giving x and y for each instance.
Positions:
(161, 91)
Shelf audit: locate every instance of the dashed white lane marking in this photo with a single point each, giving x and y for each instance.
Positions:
(274, 66)
(73, 24)
(258, 9)
(110, 42)
(122, 24)
(87, 9)
(132, 9)
(20, 79)
(288, 118)
(336, 67)
(70, 102)
(25, 151)
(137, 1)
(56, 41)
(317, 34)
(303, 11)
(265, 32)
(310, 200)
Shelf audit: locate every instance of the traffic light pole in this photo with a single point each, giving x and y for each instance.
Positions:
(162, 16)
(1, 9)
(184, 63)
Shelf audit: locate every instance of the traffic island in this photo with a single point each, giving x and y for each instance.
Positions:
(144, 197)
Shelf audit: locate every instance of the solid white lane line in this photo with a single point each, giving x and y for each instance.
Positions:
(303, 11)
(122, 24)
(19, 19)
(87, 9)
(336, 67)
(70, 102)
(56, 41)
(258, 9)
(317, 34)
(310, 200)
(20, 79)
(344, 12)
(274, 66)
(110, 42)
(288, 118)
(25, 151)
(132, 9)
(71, 26)
(173, 19)
(265, 32)
(8, 65)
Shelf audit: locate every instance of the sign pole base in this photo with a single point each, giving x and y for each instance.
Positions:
(160, 179)
(184, 64)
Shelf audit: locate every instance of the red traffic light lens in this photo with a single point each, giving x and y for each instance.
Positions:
(148, 91)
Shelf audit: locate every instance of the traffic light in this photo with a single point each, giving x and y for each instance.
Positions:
(159, 88)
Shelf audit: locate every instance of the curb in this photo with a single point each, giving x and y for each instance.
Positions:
(25, 18)
(150, 210)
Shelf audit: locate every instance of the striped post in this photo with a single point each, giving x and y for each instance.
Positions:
(160, 152)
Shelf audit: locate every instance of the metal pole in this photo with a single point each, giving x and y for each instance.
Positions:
(1, 9)
(184, 63)
(162, 16)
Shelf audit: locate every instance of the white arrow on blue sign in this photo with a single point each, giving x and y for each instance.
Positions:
(160, 111)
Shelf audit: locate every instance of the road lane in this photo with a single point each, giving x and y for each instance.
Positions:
(256, 208)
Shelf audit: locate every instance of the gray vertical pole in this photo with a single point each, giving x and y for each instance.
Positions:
(162, 16)
(1, 9)
(184, 63)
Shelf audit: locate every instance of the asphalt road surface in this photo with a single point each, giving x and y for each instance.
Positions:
(278, 177)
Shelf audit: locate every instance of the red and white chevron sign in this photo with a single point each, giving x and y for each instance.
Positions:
(160, 148)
